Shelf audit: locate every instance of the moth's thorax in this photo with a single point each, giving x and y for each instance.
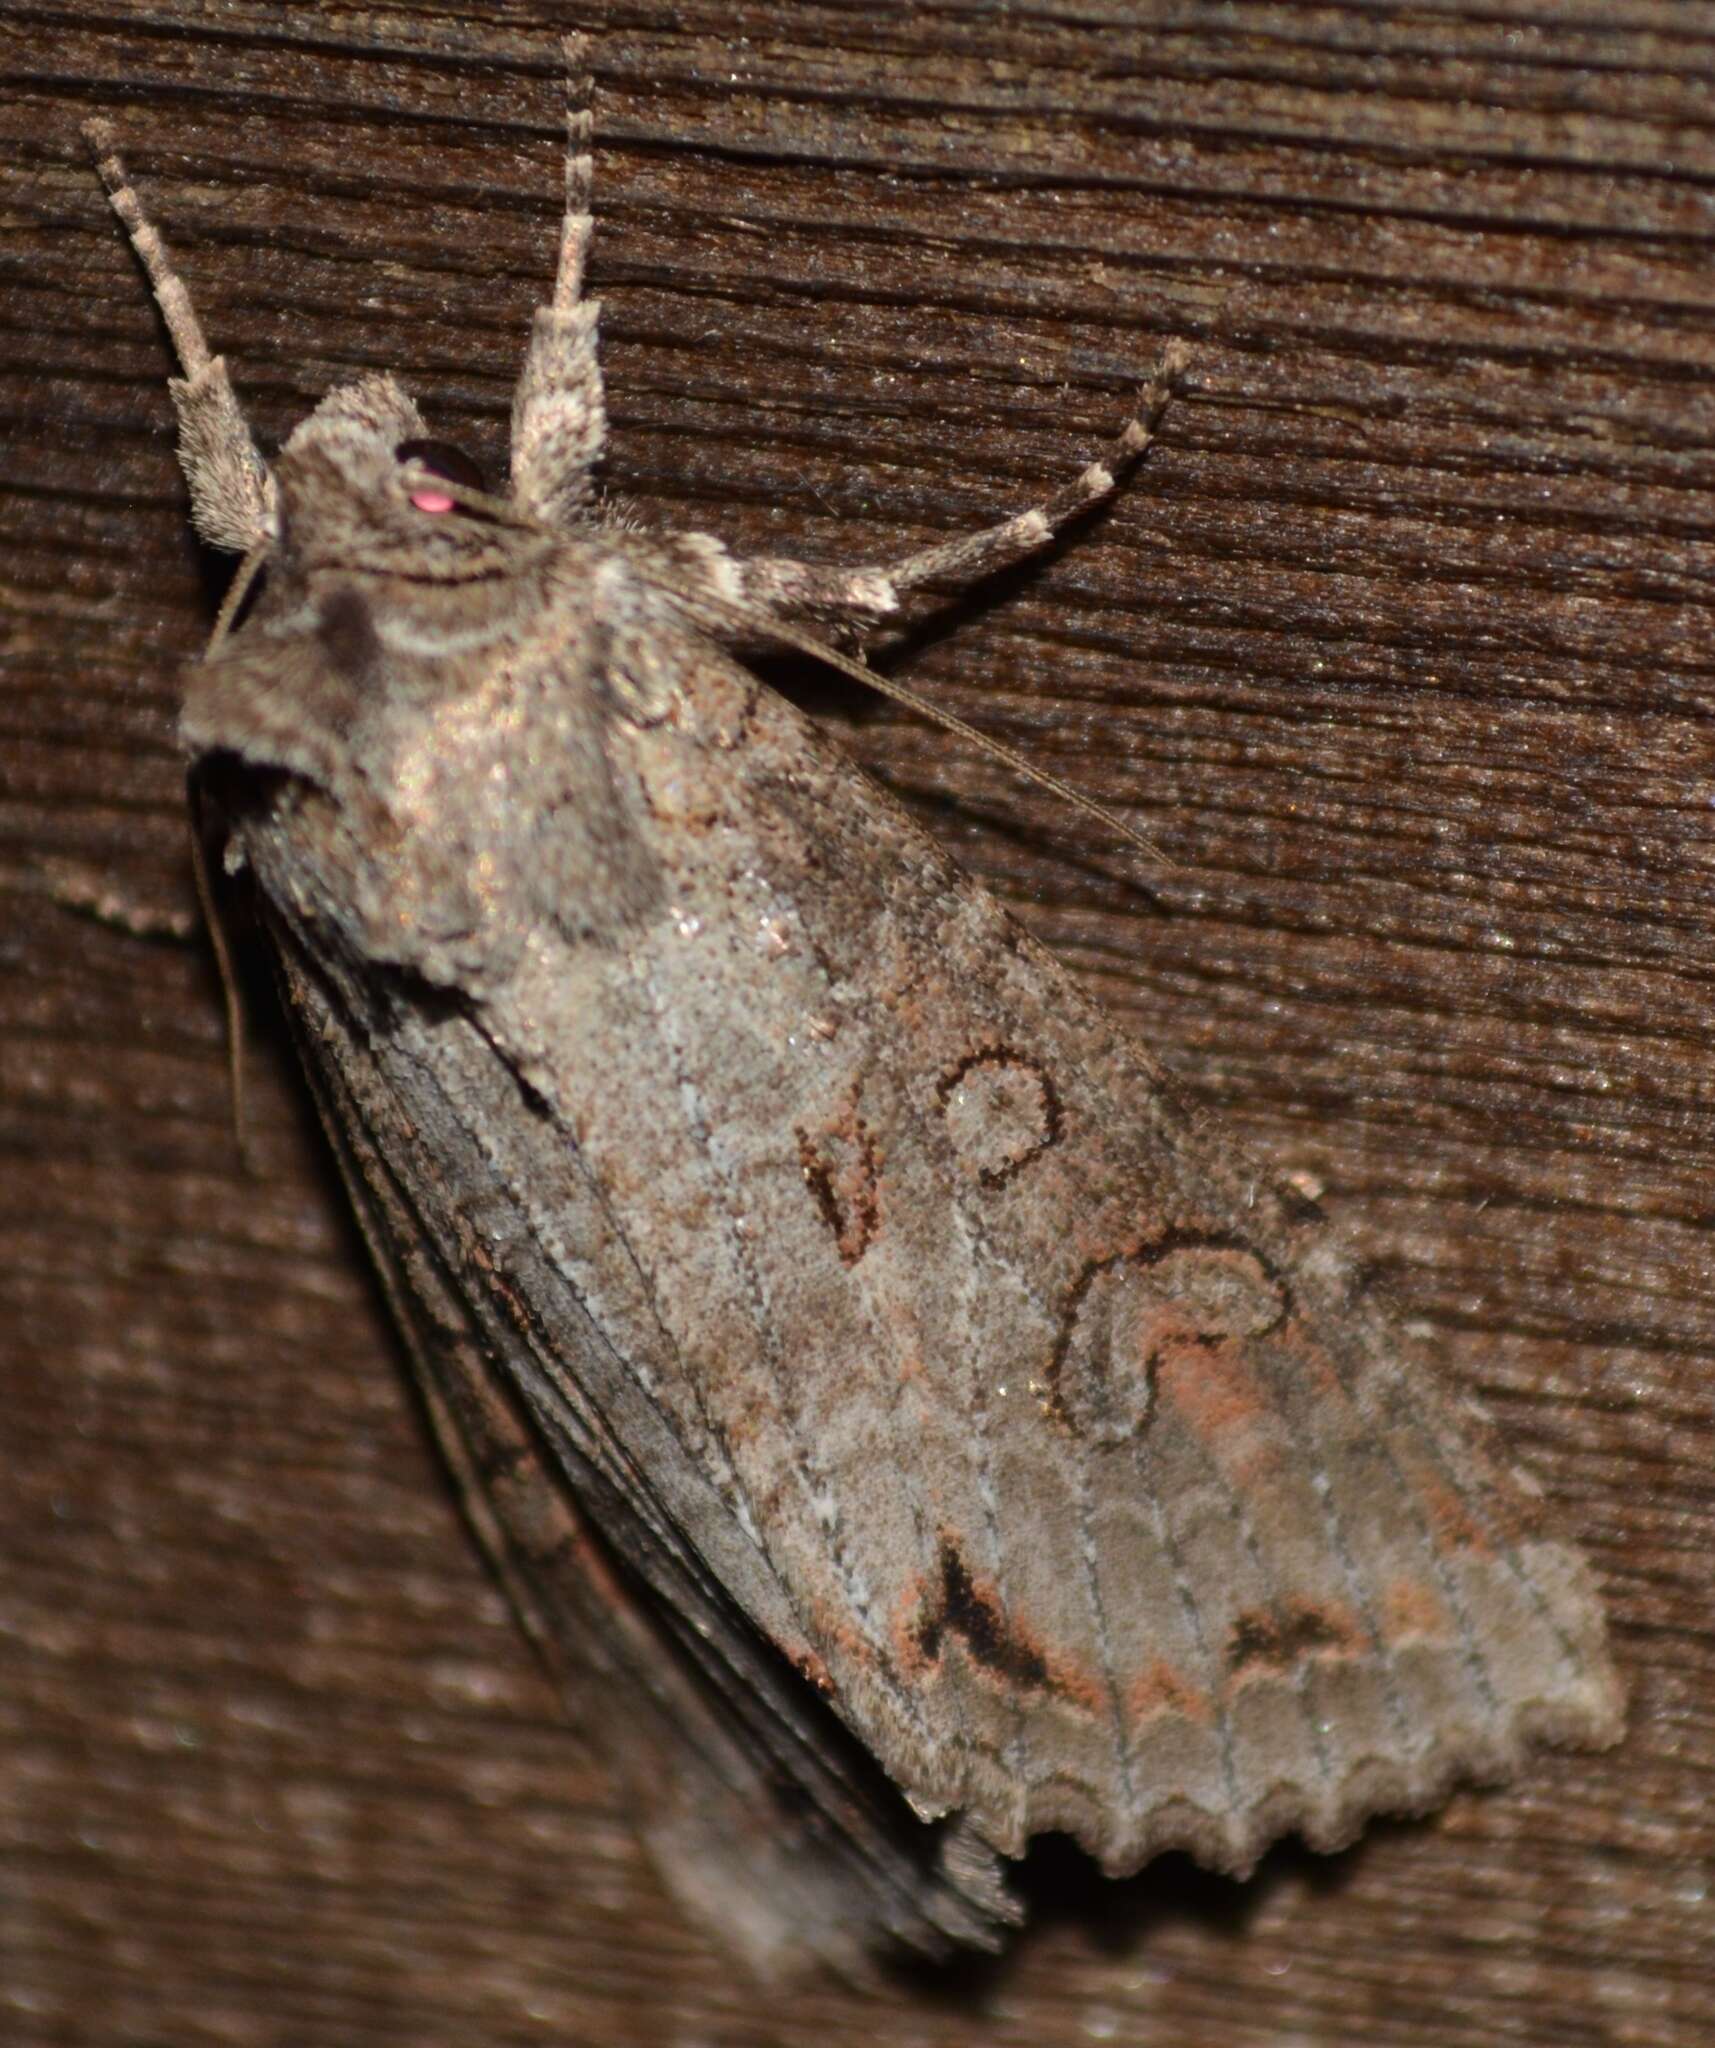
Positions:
(440, 762)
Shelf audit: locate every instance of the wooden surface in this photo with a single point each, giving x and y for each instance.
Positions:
(1401, 649)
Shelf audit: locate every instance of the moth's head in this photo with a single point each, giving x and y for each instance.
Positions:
(360, 483)
(383, 579)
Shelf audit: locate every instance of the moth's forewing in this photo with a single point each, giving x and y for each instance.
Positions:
(882, 1312)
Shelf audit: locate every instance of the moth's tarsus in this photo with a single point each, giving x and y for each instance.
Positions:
(865, 1447)
(577, 225)
(170, 294)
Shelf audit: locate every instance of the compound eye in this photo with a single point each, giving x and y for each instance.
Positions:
(440, 458)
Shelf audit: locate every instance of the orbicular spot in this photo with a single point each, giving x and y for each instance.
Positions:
(1124, 1315)
(841, 1164)
(1001, 1111)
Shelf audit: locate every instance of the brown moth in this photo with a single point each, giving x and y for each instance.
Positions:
(903, 1428)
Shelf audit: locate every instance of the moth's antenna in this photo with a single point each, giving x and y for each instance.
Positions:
(767, 626)
(231, 994)
(237, 591)
(502, 511)
(232, 997)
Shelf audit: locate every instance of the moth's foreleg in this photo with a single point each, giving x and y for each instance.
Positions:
(859, 599)
(232, 493)
(559, 410)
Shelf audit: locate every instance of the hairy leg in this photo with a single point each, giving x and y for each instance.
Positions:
(232, 494)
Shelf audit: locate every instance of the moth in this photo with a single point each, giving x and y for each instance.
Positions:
(903, 1428)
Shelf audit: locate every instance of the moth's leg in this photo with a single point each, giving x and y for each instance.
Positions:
(859, 599)
(232, 494)
(559, 411)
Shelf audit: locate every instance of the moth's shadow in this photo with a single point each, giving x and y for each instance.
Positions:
(1061, 1888)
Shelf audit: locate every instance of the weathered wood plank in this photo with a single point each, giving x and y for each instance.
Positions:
(1401, 648)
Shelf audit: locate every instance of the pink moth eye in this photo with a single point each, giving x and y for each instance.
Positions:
(441, 459)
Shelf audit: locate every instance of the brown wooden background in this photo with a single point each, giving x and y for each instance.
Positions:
(1402, 648)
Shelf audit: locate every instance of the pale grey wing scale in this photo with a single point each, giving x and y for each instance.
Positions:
(764, 1812)
(1070, 1453)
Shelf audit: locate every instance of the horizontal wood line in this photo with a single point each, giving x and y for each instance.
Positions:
(1614, 46)
(899, 164)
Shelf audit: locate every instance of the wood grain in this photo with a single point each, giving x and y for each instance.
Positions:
(1400, 649)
